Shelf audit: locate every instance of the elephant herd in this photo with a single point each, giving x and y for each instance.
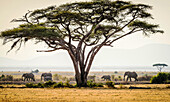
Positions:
(48, 76)
(30, 77)
(128, 74)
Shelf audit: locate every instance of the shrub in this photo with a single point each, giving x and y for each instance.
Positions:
(91, 84)
(154, 80)
(168, 76)
(160, 78)
(99, 84)
(110, 84)
(35, 86)
(29, 85)
(40, 85)
(67, 84)
(6, 78)
(145, 78)
(9, 78)
(3, 76)
(59, 84)
(49, 83)
(167, 82)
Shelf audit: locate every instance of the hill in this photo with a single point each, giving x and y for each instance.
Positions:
(143, 56)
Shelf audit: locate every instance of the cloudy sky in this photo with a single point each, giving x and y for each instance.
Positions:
(10, 9)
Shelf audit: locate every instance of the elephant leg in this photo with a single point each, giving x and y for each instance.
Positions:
(24, 78)
(130, 79)
(32, 79)
(127, 78)
(136, 79)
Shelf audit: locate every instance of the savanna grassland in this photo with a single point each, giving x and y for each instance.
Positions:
(159, 94)
(121, 92)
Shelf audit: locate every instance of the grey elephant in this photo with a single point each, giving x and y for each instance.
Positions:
(28, 76)
(106, 77)
(47, 76)
(131, 75)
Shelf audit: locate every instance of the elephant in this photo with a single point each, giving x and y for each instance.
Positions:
(131, 75)
(106, 77)
(28, 76)
(47, 76)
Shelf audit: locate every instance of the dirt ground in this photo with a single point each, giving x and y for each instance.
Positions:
(159, 94)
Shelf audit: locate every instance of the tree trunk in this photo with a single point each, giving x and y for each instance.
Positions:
(81, 79)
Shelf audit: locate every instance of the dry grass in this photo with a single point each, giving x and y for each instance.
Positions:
(84, 95)
(156, 94)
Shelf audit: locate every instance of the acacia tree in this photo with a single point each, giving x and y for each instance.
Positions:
(160, 66)
(78, 27)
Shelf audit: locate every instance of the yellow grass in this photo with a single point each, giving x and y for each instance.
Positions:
(84, 95)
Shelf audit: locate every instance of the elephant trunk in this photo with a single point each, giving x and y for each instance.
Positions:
(124, 76)
(22, 78)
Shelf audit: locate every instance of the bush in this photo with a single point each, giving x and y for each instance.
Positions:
(49, 83)
(29, 85)
(145, 78)
(99, 84)
(116, 72)
(9, 78)
(35, 86)
(3, 76)
(6, 78)
(67, 84)
(154, 80)
(110, 84)
(40, 85)
(91, 84)
(168, 76)
(160, 78)
(59, 84)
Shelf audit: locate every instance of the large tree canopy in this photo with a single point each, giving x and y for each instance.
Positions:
(77, 26)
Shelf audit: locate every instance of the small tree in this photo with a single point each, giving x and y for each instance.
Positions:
(160, 66)
(82, 29)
